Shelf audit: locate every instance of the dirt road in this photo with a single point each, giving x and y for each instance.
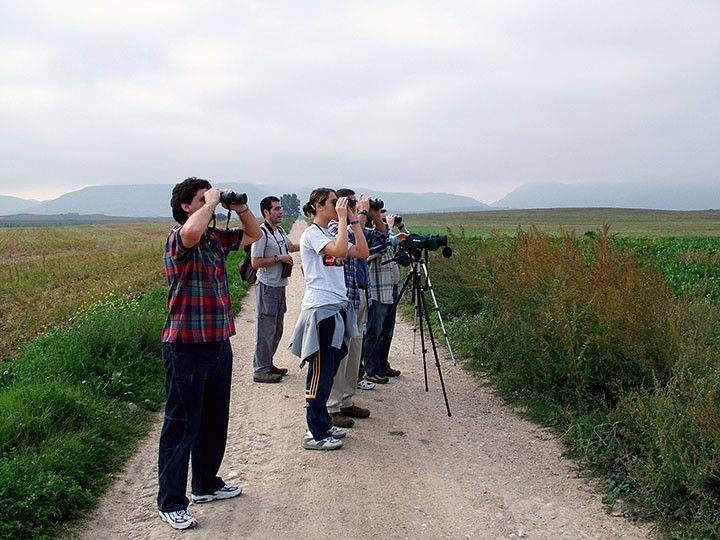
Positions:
(408, 471)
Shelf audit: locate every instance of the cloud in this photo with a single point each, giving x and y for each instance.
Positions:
(118, 14)
(476, 97)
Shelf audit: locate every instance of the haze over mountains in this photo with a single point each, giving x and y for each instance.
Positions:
(152, 200)
(613, 195)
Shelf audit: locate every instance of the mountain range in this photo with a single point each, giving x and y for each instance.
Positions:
(153, 200)
(613, 195)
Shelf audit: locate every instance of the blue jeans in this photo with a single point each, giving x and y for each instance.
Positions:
(376, 346)
(322, 368)
(197, 389)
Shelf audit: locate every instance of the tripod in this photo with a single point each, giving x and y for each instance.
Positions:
(422, 314)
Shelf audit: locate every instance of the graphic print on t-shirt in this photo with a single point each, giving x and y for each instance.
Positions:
(329, 260)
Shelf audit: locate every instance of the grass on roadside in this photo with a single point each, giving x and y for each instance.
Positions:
(73, 405)
(599, 345)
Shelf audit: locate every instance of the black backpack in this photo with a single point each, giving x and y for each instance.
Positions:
(247, 273)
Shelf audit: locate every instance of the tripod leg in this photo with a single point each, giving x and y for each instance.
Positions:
(417, 293)
(426, 315)
(437, 311)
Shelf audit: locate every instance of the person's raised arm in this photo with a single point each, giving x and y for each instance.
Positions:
(197, 223)
(339, 247)
(359, 250)
(250, 225)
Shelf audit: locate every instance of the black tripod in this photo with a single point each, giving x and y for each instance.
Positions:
(422, 313)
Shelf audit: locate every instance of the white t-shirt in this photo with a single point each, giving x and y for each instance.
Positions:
(324, 274)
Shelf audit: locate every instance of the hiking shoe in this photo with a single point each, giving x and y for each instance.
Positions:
(334, 431)
(365, 385)
(377, 379)
(390, 372)
(266, 377)
(353, 411)
(226, 492)
(179, 519)
(340, 420)
(282, 371)
(328, 443)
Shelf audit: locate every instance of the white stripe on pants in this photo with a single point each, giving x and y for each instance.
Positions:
(346, 378)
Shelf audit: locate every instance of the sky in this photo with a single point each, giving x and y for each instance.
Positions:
(467, 97)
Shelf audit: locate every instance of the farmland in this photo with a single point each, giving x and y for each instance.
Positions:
(612, 338)
(46, 273)
(625, 222)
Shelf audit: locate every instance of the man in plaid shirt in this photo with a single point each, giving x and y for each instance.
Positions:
(196, 350)
(384, 279)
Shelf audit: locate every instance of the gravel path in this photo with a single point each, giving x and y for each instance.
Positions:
(408, 471)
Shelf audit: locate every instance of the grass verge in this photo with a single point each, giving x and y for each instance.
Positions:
(73, 405)
(599, 344)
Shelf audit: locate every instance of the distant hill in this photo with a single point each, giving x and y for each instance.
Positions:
(613, 195)
(153, 200)
(13, 205)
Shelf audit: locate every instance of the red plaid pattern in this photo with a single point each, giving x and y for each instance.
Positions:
(199, 299)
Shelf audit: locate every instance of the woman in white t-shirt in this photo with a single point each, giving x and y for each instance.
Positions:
(327, 320)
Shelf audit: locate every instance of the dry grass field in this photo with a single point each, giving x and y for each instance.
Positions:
(46, 273)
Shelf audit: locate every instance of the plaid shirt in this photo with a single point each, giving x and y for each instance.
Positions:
(384, 277)
(356, 270)
(199, 300)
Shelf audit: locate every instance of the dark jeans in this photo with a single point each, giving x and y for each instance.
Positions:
(197, 389)
(321, 372)
(378, 337)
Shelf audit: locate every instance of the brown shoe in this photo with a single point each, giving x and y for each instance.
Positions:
(282, 371)
(353, 411)
(267, 377)
(340, 420)
(390, 372)
(377, 379)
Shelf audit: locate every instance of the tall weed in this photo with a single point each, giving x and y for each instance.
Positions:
(595, 341)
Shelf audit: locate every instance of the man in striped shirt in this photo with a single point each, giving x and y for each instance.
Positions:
(196, 350)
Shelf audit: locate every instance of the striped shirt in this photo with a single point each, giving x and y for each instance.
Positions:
(199, 299)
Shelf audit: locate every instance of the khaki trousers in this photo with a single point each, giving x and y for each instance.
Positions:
(346, 378)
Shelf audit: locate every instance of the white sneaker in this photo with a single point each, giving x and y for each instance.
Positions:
(226, 492)
(334, 431)
(328, 443)
(365, 385)
(179, 519)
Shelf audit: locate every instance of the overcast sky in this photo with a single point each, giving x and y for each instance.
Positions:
(469, 97)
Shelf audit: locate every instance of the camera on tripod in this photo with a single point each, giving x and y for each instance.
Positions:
(431, 242)
(412, 247)
(230, 198)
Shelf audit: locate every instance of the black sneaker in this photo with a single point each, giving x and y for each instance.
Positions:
(267, 377)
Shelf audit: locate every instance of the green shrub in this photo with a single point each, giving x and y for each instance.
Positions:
(593, 338)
